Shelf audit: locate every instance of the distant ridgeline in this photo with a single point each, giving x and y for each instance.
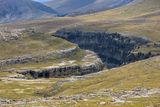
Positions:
(78, 7)
(113, 48)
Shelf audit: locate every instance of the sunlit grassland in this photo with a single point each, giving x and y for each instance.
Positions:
(36, 44)
(140, 18)
(21, 89)
(144, 74)
(74, 58)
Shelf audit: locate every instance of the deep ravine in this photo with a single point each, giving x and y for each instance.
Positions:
(113, 48)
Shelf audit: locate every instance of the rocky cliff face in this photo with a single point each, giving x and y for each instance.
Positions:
(65, 71)
(113, 48)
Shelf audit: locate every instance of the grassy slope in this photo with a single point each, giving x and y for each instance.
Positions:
(76, 57)
(12, 88)
(21, 89)
(32, 45)
(142, 74)
(44, 25)
(28, 44)
(140, 18)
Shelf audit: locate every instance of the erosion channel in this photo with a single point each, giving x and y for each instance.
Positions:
(113, 48)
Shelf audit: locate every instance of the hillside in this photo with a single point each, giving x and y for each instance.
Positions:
(142, 22)
(133, 85)
(125, 86)
(139, 18)
(109, 58)
(75, 7)
(12, 10)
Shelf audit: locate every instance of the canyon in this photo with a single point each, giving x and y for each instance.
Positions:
(113, 48)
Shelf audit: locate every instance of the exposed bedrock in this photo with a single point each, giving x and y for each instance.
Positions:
(65, 71)
(114, 49)
(37, 58)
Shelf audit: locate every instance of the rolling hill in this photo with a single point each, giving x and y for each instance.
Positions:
(139, 18)
(12, 10)
(74, 7)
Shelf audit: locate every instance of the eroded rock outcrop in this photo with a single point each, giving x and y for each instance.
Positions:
(37, 58)
(10, 34)
(113, 48)
(63, 71)
(58, 63)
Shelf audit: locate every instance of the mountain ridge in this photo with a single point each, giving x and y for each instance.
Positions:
(75, 7)
(13, 10)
